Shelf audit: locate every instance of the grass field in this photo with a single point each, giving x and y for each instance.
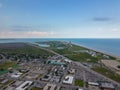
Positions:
(79, 83)
(4, 67)
(7, 64)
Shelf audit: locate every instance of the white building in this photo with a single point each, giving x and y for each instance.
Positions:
(67, 60)
(16, 74)
(68, 79)
(93, 83)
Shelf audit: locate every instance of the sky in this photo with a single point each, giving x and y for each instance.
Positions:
(59, 18)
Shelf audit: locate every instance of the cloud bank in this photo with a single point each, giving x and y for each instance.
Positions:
(101, 19)
(25, 34)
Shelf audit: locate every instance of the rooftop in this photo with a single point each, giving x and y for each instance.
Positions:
(50, 87)
(107, 85)
(68, 79)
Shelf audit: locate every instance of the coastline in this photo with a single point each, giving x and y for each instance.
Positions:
(115, 56)
(87, 47)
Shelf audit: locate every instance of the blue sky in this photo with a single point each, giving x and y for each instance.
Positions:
(59, 18)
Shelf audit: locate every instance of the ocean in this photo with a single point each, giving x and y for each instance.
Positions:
(110, 46)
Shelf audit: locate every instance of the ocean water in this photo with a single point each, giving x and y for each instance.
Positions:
(110, 46)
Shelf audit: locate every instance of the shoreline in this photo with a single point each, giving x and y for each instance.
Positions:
(99, 51)
(117, 57)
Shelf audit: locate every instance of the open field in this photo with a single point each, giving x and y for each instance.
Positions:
(111, 63)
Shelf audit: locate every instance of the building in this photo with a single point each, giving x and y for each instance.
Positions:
(54, 62)
(24, 85)
(15, 74)
(46, 78)
(68, 79)
(50, 87)
(67, 60)
(93, 86)
(93, 83)
(71, 71)
(32, 75)
(107, 86)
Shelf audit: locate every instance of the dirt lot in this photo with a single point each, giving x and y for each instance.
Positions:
(112, 64)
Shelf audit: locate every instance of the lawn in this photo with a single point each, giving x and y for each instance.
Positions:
(79, 83)
(35, 88)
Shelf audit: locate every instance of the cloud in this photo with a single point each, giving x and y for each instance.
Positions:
(18, 26)
(101, 19)
(115, 30)
(29, 28)
(25, 34)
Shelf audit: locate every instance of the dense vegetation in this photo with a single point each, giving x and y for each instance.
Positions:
(25, 49)
(22, 50)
